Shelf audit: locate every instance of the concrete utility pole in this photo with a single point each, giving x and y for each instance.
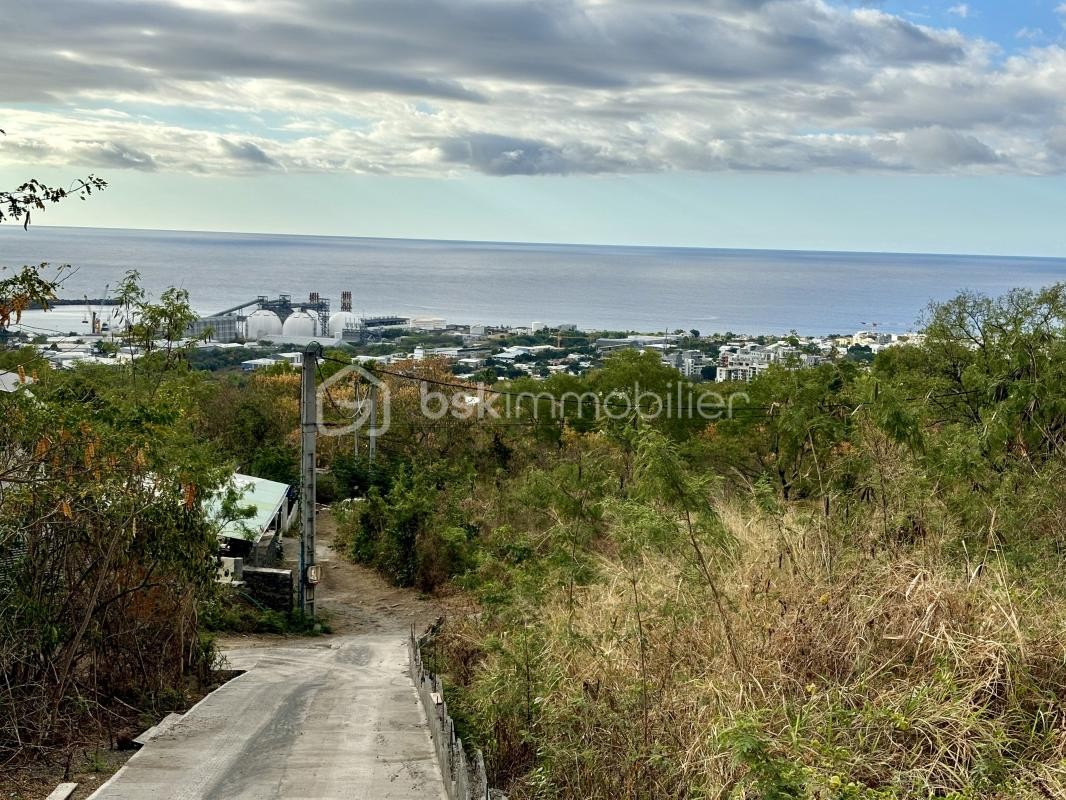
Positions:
(308, 441)
(358, 406)
(373, 432)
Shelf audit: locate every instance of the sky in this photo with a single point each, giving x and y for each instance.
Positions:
(934, 126)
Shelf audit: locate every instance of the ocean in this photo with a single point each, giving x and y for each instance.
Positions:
(593, 287)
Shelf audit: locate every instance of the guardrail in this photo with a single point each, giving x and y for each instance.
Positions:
(464, 778)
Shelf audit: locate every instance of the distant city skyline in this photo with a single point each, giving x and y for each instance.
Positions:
(895, 126)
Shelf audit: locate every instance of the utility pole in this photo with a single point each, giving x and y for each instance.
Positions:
(308, 435)
(373, 431)
(355, 433)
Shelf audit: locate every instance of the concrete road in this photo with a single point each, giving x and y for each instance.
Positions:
(322, 718)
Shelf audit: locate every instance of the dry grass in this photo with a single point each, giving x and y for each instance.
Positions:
(893, 674)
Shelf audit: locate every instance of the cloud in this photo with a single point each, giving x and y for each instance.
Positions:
(519, 87)
(938, 146)
(502, 155)
(115, 154)
(960, 10)
(247, 152)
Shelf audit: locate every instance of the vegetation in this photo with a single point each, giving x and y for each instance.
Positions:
(848, 589)
(234, 611)
(105, 546)
(108, 555)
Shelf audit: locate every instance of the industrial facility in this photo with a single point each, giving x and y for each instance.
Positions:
(282, 320)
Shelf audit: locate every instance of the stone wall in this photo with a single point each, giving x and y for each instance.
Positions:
(271, 588)
(266, 552)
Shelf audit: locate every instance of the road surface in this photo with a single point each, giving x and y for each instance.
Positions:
(322, 718)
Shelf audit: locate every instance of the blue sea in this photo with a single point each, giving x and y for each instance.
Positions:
(594, 287)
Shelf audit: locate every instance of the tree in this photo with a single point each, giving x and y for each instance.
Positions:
(154, 328)
(106, 548)
(27, 286)
(24, 288)
(860, 353)
(33, 195)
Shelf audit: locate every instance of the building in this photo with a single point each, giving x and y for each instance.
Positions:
(225, 328)
(743, 361)
(429, 324)
(514, 351)
(634, 342)
(255, 538)
(258, 363)
(293, 359)
(692, 363)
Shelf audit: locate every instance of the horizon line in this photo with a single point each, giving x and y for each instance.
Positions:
(522, 243)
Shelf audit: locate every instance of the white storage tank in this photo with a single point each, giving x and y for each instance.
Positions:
(262, 323)
(342, 321)
(300, 323)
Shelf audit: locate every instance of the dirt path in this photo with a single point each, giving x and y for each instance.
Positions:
(358, 600)
(351, 599)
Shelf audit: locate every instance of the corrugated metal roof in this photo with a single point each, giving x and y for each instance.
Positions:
(263, 496)
(10, 381)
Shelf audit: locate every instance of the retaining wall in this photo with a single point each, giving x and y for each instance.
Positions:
(271, 588)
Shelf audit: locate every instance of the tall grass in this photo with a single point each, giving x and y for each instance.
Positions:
(864, 672)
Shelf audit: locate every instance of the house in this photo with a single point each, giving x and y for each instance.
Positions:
(255, 538)
(421, 353)
(391, 358)
(258, 363)
(511, 353)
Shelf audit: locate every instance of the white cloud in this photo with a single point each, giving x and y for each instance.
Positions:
(505, 87)
(960, 10)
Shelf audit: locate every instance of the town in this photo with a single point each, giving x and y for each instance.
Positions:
(274, 333)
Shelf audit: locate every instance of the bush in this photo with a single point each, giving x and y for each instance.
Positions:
(442, 554)
(276, 463)
(235, 612)
(327, 490)
(406, 531)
